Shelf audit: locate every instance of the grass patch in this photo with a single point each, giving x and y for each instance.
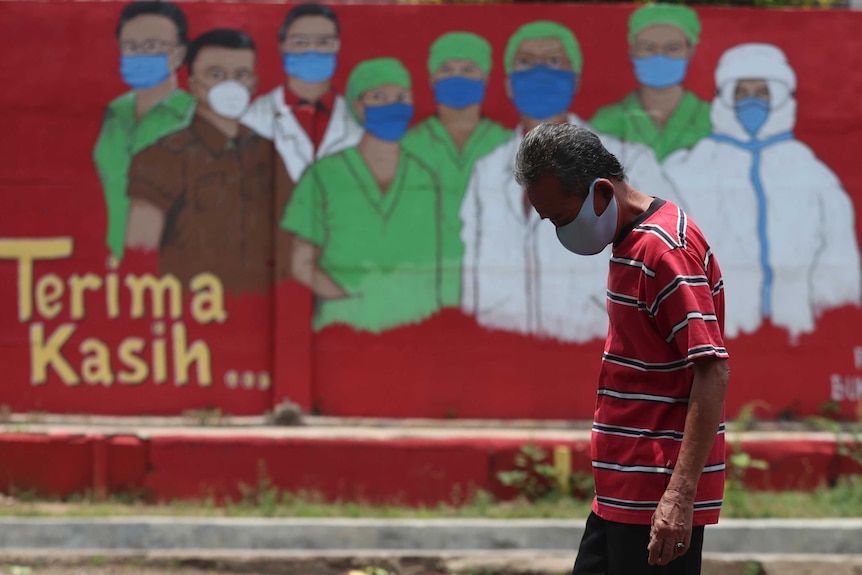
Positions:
(843, 500)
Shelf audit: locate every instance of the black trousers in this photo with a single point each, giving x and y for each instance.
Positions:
(610, 548)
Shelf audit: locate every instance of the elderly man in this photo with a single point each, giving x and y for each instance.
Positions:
(658, 433)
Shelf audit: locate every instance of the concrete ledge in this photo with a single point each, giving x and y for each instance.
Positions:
(830, 536)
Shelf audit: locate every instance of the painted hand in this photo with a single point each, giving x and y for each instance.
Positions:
(671, 525)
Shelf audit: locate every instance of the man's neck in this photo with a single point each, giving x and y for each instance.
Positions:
(660, 103)
(308, 91)
(146, 100)
(228, 127)
(530, 123)
(632, 204)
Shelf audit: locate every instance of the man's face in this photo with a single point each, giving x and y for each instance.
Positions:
(382, 96)
(552, 203)
(151, 34)
(751, 89)
(215, 64)
(311, 34)
(661, 39)
(458, 68)
(547, 52)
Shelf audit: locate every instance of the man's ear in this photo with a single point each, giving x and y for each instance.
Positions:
(603, 191)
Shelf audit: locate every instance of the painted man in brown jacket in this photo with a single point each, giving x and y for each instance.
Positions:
(208, 196)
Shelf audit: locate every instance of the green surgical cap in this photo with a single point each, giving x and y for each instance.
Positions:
(545, 29)
(682, 17)
(460, 46)
(372, 74)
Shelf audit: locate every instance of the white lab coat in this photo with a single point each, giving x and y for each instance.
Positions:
(807, 234)
(517, 276)
(273, 119)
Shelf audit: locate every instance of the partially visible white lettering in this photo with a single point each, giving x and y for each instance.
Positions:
(857, 356)
(846, 387)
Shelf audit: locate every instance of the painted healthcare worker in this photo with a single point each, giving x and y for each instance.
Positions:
(451, 141)
(366, 220)
(305, 117)
(516, 275)
(152, 38)
(660, 113)
(780, 217)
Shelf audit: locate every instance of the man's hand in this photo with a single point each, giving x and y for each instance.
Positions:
(671, 524)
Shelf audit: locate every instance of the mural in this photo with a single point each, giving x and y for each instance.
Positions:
(781, 220)
(661, 113)
(304, 116)
(451, 141)
(204, 196)
(152, 37)
(367, 219)
(272, 216)
(516, 274)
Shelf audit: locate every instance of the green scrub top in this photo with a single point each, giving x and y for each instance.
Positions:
(431, 143)
(688, 124)
(122, 137)
(381, 248)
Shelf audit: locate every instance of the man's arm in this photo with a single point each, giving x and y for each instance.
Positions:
(305, 258)
(672, 521)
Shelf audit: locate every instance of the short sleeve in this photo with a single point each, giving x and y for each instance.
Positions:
(304, 214)
(680, 299)
(155, 175)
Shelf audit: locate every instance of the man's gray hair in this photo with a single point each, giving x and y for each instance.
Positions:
(572, 154)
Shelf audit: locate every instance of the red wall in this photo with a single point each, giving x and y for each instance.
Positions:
(60, 66)
(406, 471)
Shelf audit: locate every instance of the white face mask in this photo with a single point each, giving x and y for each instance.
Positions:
(588, 234)
(229, 99)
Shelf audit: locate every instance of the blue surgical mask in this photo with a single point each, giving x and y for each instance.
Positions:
(388, 122)
(752, 114)
(145, 70)
(309, 66)
(588, 234)
(458, 92)
(542, 92)
(660, 71)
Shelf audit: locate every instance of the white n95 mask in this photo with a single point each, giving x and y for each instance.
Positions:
(229, 99)
(588, 234)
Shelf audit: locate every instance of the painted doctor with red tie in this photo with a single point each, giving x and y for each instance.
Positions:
(305, 117)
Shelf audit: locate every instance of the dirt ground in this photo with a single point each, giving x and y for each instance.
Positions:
(533, 564)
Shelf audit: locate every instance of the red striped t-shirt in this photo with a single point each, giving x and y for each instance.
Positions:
(666, 308)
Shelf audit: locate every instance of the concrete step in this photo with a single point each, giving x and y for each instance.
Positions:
(761, 536)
